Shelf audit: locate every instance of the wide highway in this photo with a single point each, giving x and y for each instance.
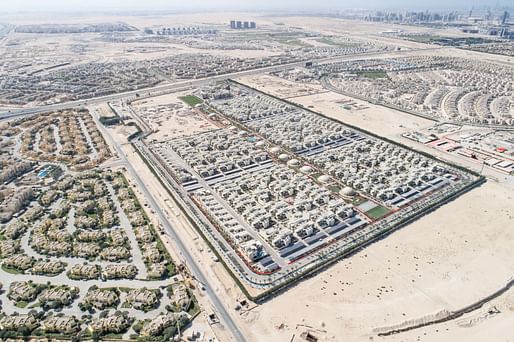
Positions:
(220, 309)
(218, 306)
(179, 85)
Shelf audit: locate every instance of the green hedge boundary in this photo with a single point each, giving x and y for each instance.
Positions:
(461, 168)
(194, 224)
(266, 295)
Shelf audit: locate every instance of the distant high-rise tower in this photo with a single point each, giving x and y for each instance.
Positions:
(239, 25)
(505, 17)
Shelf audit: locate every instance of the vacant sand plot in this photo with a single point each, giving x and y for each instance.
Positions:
(377, 119)
(170, 117)
(279, 87)
(446, 260)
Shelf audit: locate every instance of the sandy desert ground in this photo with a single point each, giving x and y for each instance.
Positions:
(445, 261)
(170, 117)
(279, 87)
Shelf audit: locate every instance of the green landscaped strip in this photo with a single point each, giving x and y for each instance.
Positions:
(191, 100)
(113, 336)
(372, 74)
(293, 42)
(334, 188)
(334, 42)
(11, 270)
(159, 244)
(447, 41)
(290, 39)
(21, 304)
(377, 212)
(345, 251)
(425, 38)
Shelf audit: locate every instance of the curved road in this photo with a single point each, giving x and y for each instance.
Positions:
(223, 314)
(218, 306)
(182, 85)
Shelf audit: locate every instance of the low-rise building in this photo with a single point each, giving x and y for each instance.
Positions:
(19, 262)
(62, 295)
(9, 248)
(157, 270)
(117, 271)
(111, 324)
(86, 271)
(157, 325)
(86, 250)
(143, 299)
(23, 291)
(14, 229)
(61, 324)
(48, 267)
(118, 237)
(143, 234)
(115, 253)
(151, 253)
(17, 322)
(136, 218)
(102, 298)
(180, 297)
(90, 236)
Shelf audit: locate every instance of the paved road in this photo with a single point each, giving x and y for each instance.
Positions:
(169, 87)
(183, 250)
(223, 314)
(83, 286)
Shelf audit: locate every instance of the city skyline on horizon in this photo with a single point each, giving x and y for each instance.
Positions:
(232, 5)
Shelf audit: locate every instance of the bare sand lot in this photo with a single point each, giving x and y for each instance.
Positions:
(385, 122)
(279, 87)
(443, 262)
(377, 119)
(374, 118)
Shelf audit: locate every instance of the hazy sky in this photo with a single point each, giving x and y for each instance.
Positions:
(295, 5)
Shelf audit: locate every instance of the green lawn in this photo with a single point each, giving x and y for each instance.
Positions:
(372, 74)
(292, 42)
(191, 100)
(109, 120)
(334, 188)
(10, 270)
(21, 304)
(113, 336)
(126, 305)
(292, 39)
(446, 41)
(334, 42)
(423, 38)
(377, 212)
(194, 308)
